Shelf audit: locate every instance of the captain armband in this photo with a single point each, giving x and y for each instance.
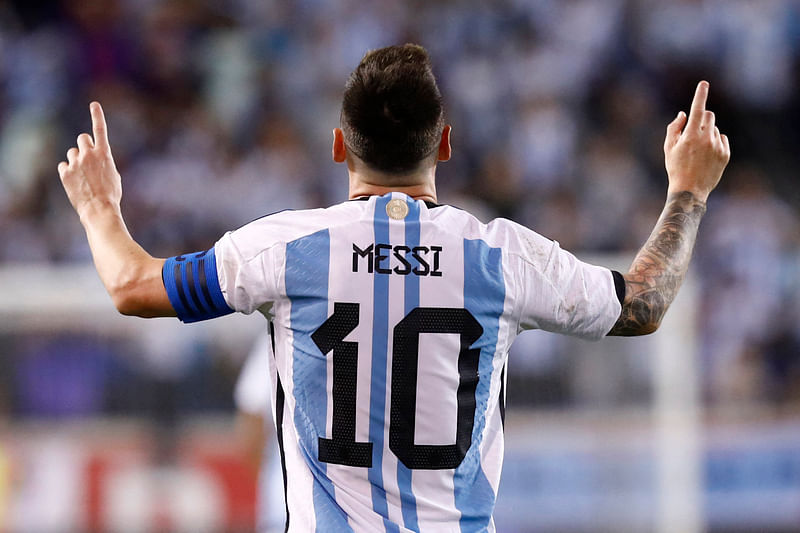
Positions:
(193, 287)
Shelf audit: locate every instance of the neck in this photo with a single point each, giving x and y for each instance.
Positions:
(422, 187)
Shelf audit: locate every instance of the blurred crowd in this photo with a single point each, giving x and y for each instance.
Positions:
(221, 111)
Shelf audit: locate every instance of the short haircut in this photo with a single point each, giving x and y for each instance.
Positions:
(392, 113)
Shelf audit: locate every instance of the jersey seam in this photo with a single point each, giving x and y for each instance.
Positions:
(284, 242)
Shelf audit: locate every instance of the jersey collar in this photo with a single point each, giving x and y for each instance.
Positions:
(364, 198)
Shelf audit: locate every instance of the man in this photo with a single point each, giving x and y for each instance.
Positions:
(392, 314)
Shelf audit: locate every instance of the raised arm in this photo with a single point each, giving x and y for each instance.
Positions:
(131, 276)
(695, 153)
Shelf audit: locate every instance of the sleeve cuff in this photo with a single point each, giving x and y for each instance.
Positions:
(619, 286)
(193, 287)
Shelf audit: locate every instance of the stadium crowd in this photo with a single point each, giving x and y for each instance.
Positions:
(221, 112)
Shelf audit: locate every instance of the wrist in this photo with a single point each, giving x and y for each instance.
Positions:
(687, 202)
(96, 210)
(700, 196)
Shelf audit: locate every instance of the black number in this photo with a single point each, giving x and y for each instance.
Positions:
(342, 448)
(405, 362)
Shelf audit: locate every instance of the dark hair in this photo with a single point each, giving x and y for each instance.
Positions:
(392, 114)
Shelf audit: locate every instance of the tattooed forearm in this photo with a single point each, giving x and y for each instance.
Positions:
(660, 266)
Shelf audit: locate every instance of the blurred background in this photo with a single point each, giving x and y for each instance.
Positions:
(221, 111)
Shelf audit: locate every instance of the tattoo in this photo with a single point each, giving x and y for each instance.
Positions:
(660, 266)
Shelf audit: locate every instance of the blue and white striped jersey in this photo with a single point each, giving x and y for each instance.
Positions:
(392, 322)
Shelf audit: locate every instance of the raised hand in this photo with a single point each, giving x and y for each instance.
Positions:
(696, 154)
(89, 175)
(695, 151)
(131, 276)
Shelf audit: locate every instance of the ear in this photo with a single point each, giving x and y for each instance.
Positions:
(338, 151)
(444, 144)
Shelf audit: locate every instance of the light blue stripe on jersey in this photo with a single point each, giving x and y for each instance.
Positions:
(377, 389)
(408, 502)
(307, 264)
(484, 296)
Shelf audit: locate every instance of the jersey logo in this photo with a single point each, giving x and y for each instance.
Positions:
(398, 259)
(397, 209)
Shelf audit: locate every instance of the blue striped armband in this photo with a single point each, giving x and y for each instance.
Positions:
(193, 287)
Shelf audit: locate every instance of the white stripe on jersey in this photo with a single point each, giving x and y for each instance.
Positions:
(376, 292)
(435, 492)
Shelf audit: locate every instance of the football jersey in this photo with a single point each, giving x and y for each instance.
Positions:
(392, 320)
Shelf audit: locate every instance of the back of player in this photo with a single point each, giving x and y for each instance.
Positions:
(392, 320)
(392, 316)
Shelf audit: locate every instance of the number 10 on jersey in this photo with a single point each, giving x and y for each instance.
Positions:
(342, 448)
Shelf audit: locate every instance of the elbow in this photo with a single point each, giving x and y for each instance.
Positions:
(626, 329)
(132, 306)
(130, 298)
(650, 316)
(136, 289)
(126, 302)
(638, 319)
(648, 328)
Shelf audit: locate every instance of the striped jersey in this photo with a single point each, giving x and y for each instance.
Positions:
(392, 319)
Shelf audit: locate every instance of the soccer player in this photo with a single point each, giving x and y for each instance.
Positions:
(393, 314)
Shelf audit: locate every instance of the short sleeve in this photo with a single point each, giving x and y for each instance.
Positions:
(247, 269)
(565, 295)
(237, 274)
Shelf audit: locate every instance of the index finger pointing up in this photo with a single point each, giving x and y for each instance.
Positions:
(698, 105)
(98, 125)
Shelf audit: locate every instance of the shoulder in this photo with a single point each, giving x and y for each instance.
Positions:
(521, 240)
(289, 225)
(512, 237)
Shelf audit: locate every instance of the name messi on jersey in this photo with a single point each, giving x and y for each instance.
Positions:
(398, 259)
